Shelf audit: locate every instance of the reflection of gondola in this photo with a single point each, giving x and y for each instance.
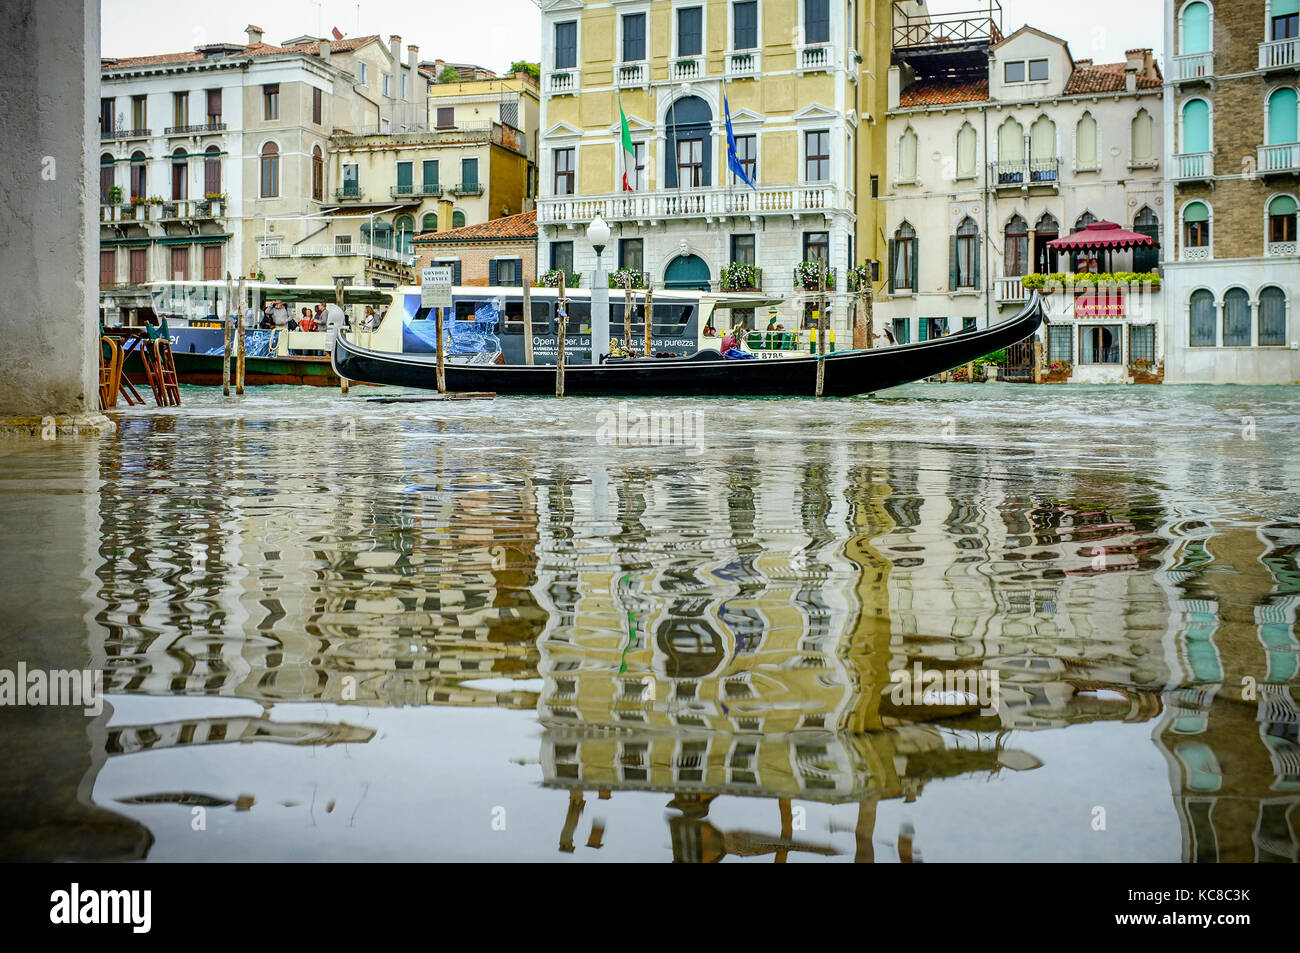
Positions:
(704, 373)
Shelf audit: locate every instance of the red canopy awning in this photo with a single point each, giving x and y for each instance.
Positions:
(1101, 235)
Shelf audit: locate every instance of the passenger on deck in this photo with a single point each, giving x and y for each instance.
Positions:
(308, 321)
(371, 321)
(729, 341)
(279, 313)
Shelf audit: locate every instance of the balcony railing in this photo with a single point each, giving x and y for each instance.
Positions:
(628, 75)
(1190, 166)
(466, 188)
(671, 204)
(564, 82)
(105, 134)
(325, 250)
(1191, 67)
(813, 59)
(1010, 290)
(415, 190)
(348, 193)
(946, 29)
(1196, 253)
(1280, 54)
(1275, 159)
(195, 130)
(1017, 173)
(190, 208)
(687, 70)
(1281, 250)
(743, 64)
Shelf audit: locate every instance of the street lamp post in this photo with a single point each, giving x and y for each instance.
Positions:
(598, 234)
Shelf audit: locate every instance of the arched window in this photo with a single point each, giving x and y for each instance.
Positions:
(1085, 144)
(964, 271)
(1196, 230)
(405, 228)
(382, 235)
(1143, 135)
(107, 179)
(1283, 113)
(429, 223)
(1083, 221)
(317, 174)
(907, 145)
(212, 171)
(1196, 28)
(1196, 127)
(902, 258)
(180, 176)
(1201, 332)
(1272, 317)
(457, 219)
(138, 176)
(1016, 254)
(1147, 223)
(1047, 230)
(1282, 225)
(966, 157)
(1236, 318)
(1011, 152)
(1042, 150)
(688, 151)
(270, 171)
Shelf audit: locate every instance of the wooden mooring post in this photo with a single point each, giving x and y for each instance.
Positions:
(528, 323)
(340, 296)
(240, 335)
(821, 327)
(649, 317)
(562, 331)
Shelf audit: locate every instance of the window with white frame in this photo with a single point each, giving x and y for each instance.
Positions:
(566, 44)
(1025, 71)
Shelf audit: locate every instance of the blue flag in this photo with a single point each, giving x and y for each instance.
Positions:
(733, 160)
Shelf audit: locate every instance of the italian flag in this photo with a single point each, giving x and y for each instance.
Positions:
(629, 154)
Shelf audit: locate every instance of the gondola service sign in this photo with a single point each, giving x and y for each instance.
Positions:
(435, 287)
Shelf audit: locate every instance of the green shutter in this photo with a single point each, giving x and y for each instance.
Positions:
(979, 240)
(916, 265)
(952, 263)
(455, 273)
(893, 263)
(492, 272)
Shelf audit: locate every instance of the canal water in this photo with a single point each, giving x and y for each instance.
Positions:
(951, 623)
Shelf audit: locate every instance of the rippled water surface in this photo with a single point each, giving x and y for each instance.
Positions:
(332, 628)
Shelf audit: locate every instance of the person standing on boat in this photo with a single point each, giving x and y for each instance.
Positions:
(279, 314)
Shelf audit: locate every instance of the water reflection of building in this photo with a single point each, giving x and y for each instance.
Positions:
(731, 666)
(1230, 731)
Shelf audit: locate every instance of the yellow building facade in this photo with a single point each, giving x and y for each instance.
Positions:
(805, 84)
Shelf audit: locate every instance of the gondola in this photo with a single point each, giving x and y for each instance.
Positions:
(705, 373)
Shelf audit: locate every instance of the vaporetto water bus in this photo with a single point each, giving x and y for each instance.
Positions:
(484, 325)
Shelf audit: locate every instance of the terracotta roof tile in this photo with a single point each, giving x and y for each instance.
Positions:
(345, 45)
(1106, 78)
(944, 91)
(510, 228)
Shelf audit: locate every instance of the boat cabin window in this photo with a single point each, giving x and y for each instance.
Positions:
(515, 316)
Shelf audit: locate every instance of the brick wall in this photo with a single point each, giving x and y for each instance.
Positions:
(474, 258)
(1237, 120)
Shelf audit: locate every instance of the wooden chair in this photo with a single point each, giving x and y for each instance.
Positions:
(167, 387)
(110, 372)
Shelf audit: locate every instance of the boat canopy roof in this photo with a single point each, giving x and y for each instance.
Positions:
(352, 294)
(737, 299)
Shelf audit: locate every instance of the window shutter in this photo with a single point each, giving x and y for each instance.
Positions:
(492, 272)
(979, 244)
(893, 263)
(455, 273)
(519, 272)
(916, 265)
(952, 263)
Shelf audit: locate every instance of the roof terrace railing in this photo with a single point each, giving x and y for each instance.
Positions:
(948, 29)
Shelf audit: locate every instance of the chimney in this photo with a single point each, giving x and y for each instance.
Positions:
(325, 50)
(254, 34)
(413, 67)
(1134, 64)
(444, 215)
(395, 50)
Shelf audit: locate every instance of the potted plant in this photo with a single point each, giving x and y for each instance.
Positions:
(115, 195)
(137, 200)
(807, 274)
(860, 277)
(627, 278)
(741, 276)
(552, 280)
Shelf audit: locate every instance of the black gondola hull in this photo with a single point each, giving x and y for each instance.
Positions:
(848, 373)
